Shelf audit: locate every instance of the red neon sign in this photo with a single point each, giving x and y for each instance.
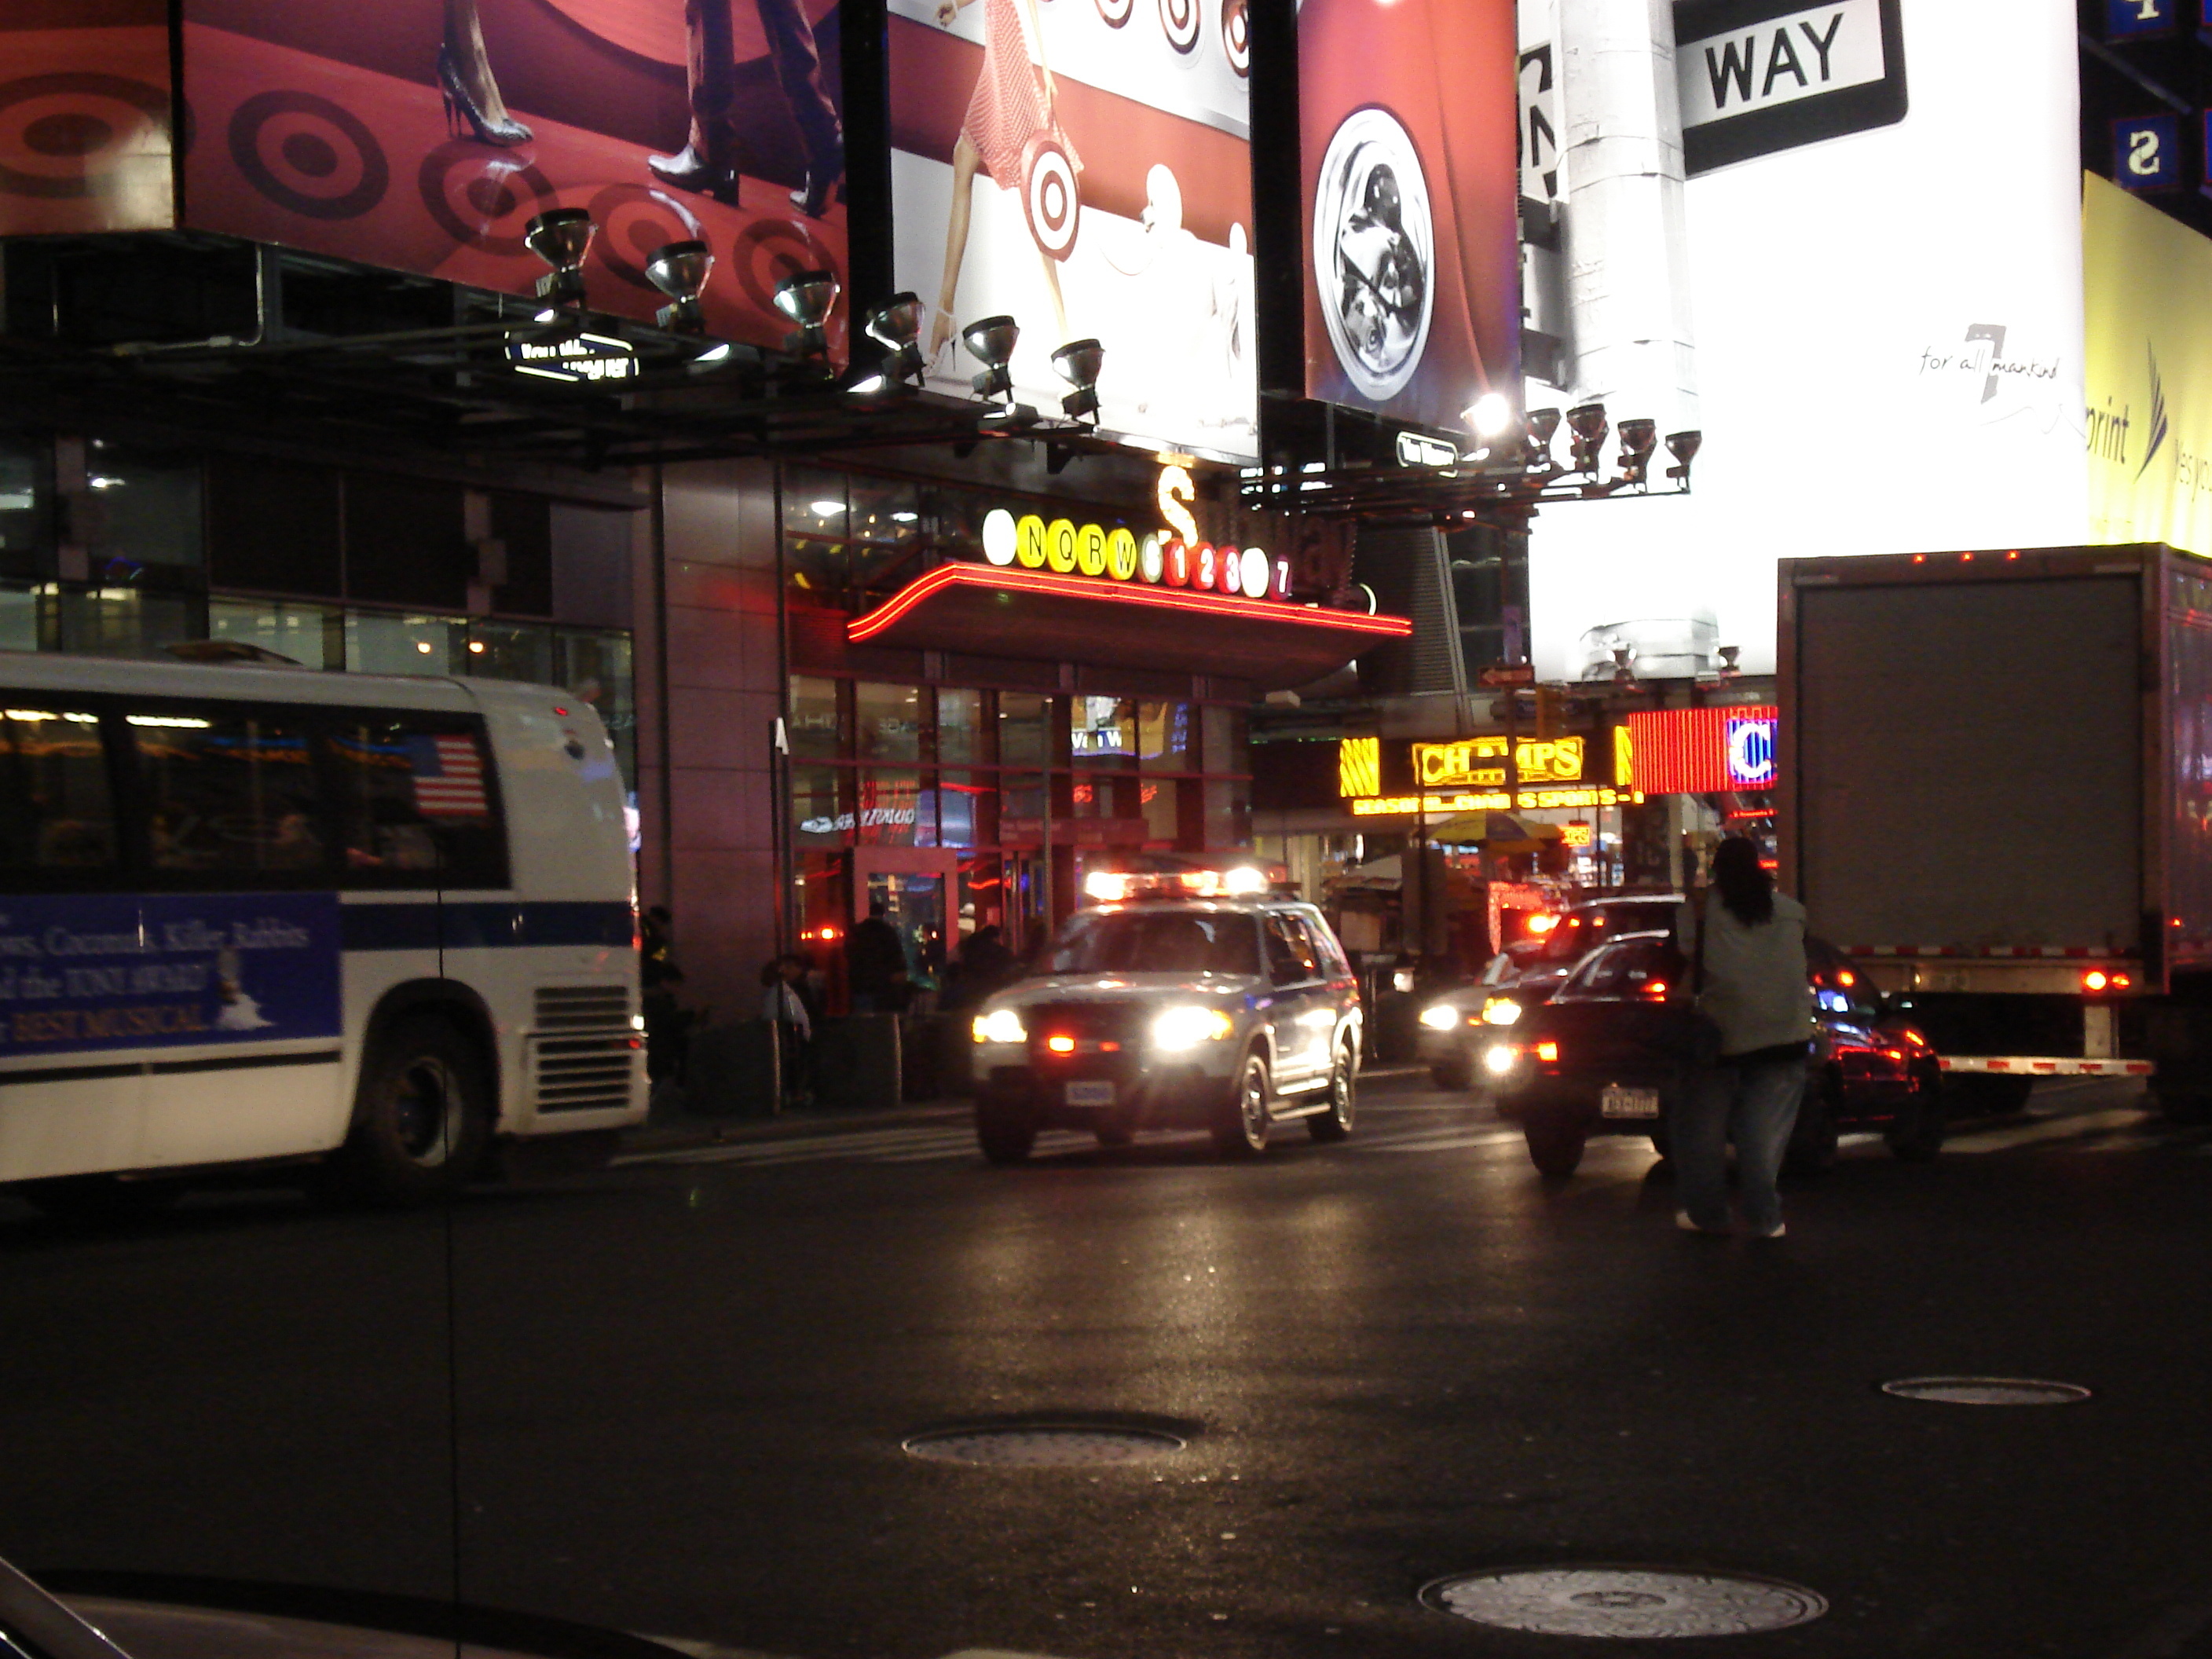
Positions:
(864, 627)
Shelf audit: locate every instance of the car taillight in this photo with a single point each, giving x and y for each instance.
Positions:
(1061, 1045)
(1657, 988)
(1549, 1053)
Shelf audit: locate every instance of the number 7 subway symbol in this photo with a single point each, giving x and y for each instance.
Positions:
(1995, 334)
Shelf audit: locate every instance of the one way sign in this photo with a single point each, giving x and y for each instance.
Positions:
(1760, 75)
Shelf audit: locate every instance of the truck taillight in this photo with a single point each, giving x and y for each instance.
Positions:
(2098, 979)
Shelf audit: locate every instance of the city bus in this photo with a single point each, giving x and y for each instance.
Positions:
(262, 912)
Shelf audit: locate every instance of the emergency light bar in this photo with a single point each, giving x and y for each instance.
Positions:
(1112, 886)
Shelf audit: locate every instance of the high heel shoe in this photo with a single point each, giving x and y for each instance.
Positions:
(505, 132)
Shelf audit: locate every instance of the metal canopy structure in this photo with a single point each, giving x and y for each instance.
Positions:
(501, 382)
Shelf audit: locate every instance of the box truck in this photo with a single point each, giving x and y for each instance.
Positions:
(1996, 796)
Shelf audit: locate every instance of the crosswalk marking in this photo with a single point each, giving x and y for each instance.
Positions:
(2054, 1128)
(1398, 1133)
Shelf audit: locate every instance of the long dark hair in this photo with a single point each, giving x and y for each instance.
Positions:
(1744, 886)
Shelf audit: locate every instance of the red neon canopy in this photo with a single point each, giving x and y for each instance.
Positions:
(989, 611)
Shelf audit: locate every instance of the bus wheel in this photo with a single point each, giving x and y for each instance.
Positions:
(422, 1119)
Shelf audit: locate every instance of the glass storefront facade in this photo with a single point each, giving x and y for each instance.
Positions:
(955, 800)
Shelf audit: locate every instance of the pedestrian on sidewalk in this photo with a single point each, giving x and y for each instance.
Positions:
(1746, 945)
(785, 1008)
(875, 963)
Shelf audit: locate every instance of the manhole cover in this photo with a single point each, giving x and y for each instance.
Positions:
(1039, 1446)
(1632, 1602)
(1986, 1391)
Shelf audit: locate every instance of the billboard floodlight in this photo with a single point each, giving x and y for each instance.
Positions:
(680, 269)
(991, 341)
(560, 237)
(1079, 362)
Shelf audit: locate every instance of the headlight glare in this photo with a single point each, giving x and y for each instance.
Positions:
(1499, 1059)
(1178, 1029)
(1500, 1010)
(1440, 1017)
(1000, 1025)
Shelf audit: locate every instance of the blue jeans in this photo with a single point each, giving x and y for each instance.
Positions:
(1755, 1105)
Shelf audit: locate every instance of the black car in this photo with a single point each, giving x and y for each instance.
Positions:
(1457, 1026)
(1604, 1056)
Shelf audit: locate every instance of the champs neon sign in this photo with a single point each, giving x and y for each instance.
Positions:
(1176, 557)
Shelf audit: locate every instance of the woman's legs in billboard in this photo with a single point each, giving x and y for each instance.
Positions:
(965, 160)
(1059, 305)
(465, 77)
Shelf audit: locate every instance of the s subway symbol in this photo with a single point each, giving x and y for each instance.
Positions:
(2144, 159)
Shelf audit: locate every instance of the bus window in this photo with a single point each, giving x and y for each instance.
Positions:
(415, 804)
(229, 793)
(55, 808)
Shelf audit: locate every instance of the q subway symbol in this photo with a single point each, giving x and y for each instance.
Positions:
(1751, 753)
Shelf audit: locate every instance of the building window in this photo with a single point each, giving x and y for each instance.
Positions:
(141, 507)
(312, 635)
(889, 720)
(812, 726)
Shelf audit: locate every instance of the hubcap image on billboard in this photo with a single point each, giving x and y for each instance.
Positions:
(1374, 249)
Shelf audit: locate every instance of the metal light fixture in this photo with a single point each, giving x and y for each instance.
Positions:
(1587, 422)
(895, 326)
(807, 298)
(560, 237)
(991, 341)
(1683, 447)
(1542, 424)
(1079, 362)
(679, 269)
(1638, 438)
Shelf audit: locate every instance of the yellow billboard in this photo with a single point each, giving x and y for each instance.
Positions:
(2148, 377)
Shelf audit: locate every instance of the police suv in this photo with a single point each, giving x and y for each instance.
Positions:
(1186, 1000)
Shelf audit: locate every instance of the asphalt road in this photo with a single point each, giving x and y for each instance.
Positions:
(682, 1388)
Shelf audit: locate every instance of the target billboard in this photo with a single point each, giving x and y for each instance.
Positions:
(1083, 167)
(424, 134)
(1407, 115)
(86, 120)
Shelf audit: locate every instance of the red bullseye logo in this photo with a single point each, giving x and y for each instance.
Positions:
(485, 201)
(1237, 36)
(306, 154)
(1116, 12)
(634, 220)
(770, 250)
(69, 135)
(1049, 197)
(1179, 19)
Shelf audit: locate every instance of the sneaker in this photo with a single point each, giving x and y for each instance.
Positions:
(1683, 1219)
(1776, 1230)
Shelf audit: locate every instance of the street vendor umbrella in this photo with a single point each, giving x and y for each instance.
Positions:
(1462, 831)
(1505, 833)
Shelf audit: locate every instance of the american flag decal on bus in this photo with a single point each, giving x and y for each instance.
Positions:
(449, 779)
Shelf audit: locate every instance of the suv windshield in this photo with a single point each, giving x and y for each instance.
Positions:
(1627, 968)
(1581, 931)
(1159, 942)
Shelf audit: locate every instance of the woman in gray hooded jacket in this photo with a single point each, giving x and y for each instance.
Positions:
(1755, 989)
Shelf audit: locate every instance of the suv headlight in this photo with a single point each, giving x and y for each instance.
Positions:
(1500, 1010)
(1000, 1025)
(1440, 1017)
(1186, 1027)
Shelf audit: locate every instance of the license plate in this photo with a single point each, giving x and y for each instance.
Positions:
(1613, 1100)
(1090, 1094)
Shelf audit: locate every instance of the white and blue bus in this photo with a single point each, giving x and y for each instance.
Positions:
(260, 913)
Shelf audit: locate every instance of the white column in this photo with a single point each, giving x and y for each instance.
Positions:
(1628, 292)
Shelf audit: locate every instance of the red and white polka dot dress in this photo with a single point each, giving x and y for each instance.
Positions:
(1008, 107)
